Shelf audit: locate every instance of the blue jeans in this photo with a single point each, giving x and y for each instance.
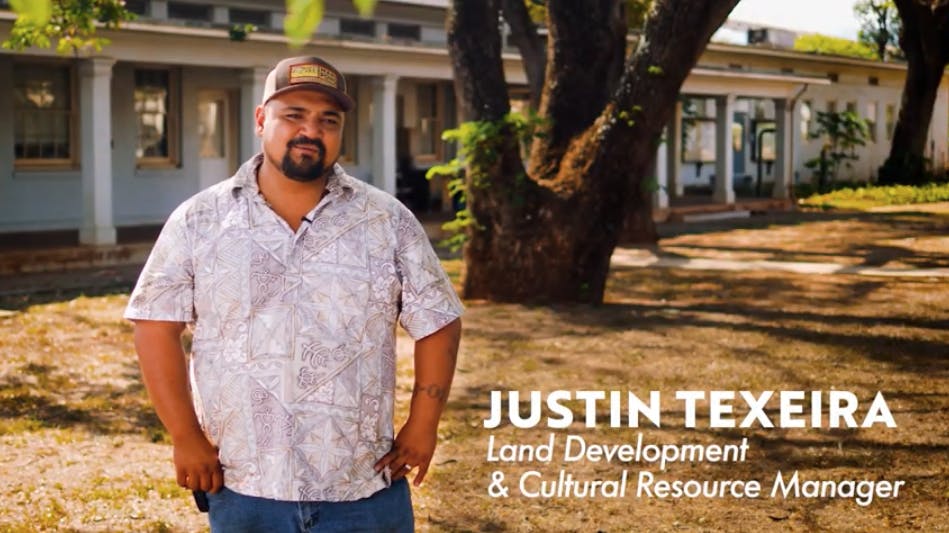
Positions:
(389, 510)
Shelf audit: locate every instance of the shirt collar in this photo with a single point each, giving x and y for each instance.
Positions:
(246, 178)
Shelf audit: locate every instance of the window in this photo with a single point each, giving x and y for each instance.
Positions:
(764, 142)
(429, 126)
(807, 119)
(139, 7)
(359, 27)
(873, 80)
(258, 18)
(872, 120)
(890, 121)
(189, 12)
(212, 123)
(698, 130)
(831, 106)
(852, 107)
(698, 140)
(44, 115)
(405, 32)
(156, 109)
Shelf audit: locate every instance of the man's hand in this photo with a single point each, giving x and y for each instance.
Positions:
(165, 374)
(413, 448)
(196, 463)
(434, 368)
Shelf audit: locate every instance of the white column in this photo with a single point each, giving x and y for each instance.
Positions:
(783, 135)
(276, 20)
(660, 198)
(724, 165)
(158, 9)
(95, 110)
(383, 132)
(220, 15)
(674, 156)
(252, 91)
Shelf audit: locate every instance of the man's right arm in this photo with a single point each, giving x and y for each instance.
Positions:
(164, 371)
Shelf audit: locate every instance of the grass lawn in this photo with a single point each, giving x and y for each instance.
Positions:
(81, 450)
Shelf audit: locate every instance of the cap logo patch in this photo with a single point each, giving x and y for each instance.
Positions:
(310, 73)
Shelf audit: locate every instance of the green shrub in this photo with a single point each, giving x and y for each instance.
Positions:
(871, 196)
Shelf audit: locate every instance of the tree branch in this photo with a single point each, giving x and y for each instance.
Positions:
(586, 48)
(474, 43)
(532, 47)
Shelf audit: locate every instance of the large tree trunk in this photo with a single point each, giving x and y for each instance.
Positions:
(548, 235)
(925, 42)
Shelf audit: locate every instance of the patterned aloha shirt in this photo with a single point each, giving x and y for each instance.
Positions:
(293, 352)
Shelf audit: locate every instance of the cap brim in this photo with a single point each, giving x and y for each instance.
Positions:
(345, 102)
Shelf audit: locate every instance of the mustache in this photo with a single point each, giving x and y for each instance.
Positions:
(303, 141)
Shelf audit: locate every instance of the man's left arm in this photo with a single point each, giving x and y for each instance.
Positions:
(414, 445)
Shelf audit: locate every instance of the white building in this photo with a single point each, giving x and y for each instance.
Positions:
(97, 148)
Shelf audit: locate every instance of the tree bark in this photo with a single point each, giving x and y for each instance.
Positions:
(548, 235)
(924, 39)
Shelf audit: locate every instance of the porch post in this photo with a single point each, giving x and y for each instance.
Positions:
(383, 132)
(660, 198)
(724, 164)
(674, 154)
(252, 91)
(95, 111)
(783, 167)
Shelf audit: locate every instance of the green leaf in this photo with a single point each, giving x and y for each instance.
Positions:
(303, 16)
(33, 12)
(365, 7)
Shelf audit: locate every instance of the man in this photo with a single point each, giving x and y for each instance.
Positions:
(293, 275)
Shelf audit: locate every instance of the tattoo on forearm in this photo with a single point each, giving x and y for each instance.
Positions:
(434, 391)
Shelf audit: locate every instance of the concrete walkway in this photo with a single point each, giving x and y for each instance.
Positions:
(638, 257)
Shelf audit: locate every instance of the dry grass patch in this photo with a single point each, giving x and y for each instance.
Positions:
(900, 238)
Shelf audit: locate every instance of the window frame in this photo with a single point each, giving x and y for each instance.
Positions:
(264, 24)
(175, 4)
(807, 125)
(701, 125)
(59, 163)
(891, 117)
(871, 119)
(173, 159)
(355, 26)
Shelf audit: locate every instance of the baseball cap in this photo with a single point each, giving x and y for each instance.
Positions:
(310, 73)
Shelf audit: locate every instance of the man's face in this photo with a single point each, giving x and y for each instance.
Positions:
(301, 133)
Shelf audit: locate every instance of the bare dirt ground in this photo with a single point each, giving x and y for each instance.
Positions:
(80, 449)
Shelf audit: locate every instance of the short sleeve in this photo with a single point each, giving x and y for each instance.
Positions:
(429, 302)
(165, 288)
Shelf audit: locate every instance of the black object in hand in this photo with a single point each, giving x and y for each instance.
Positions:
(201, 500)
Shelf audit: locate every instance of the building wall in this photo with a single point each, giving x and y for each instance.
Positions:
(147, 195)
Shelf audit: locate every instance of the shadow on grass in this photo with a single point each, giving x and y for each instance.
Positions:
(20, 300)
(41, 397)
(916, 355)
(890, 226)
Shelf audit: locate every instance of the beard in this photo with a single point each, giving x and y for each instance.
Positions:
(308, 168)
